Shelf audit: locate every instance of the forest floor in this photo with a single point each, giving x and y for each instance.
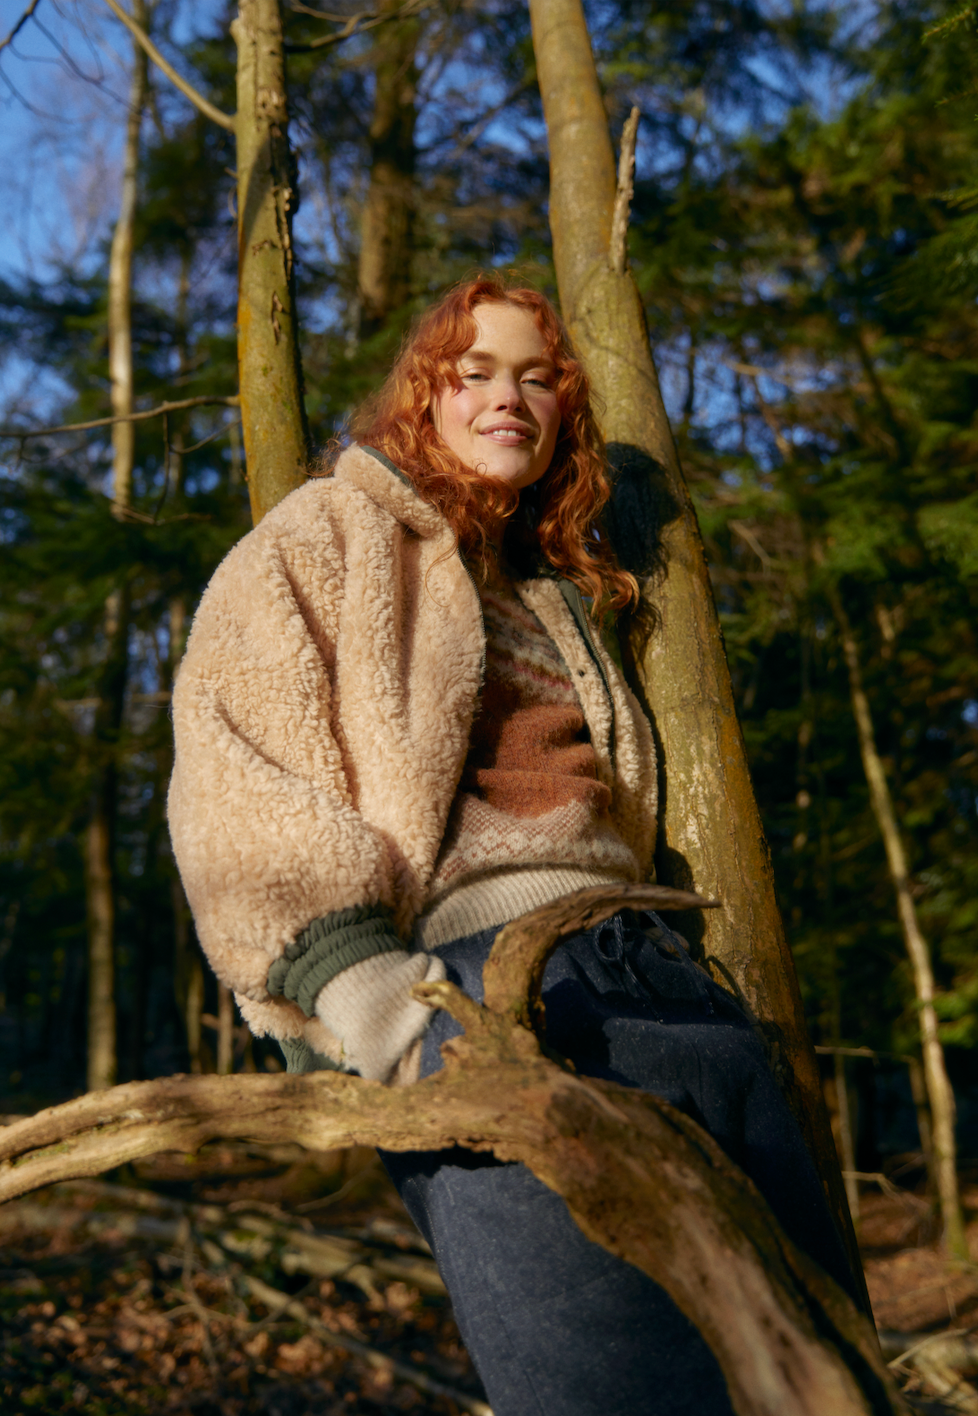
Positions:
(256, 1281)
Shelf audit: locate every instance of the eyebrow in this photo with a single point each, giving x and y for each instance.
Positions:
(544, 362)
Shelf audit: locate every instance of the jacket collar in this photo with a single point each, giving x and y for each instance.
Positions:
(371, 472)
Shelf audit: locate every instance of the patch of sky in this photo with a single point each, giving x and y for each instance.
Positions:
(970, 712)
(63, 99)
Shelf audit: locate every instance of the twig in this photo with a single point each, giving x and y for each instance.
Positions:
(224, 120)
(232, 401)
(330, 1199)
(20, 24)
(934, 1337)
(351, 25)
(197, 1305)
(617, 246)
(281, 1302)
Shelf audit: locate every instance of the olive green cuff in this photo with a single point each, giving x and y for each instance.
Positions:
(328, 946)
(301, 1057)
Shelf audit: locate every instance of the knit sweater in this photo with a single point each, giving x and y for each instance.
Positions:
(322, 717)
(530, 813)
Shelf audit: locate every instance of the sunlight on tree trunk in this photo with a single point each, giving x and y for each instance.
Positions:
(272, 408)
(384, 268)
(120, 282)
(939, 1090)
(100, 881)
(711, 838)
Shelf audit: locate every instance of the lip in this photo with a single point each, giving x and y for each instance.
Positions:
(505, 429)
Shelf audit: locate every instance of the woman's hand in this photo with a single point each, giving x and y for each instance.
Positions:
(370, 1009)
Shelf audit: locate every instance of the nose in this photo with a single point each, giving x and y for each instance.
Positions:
(509, 392)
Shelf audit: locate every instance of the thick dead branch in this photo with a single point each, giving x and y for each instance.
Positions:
(513, 975)
(639, 1177)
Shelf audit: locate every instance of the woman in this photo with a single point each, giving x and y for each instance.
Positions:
(397, 730)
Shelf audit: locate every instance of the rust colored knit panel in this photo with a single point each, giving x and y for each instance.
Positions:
(530, 750)
(529, 794)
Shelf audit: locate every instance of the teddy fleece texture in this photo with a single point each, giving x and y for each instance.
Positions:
(322, 716)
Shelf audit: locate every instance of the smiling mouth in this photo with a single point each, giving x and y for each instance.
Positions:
(507, 435)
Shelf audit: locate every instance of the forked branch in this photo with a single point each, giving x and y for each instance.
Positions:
(638, 1177)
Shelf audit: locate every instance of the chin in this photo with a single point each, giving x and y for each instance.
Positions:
(513, 475)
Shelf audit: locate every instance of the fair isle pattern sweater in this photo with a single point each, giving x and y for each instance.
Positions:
(530, 796)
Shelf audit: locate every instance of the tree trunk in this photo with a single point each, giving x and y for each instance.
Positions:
(786, 1337)
(99, 847)
(935, 1073)
(710, 835)
(845, 1137)
(120, 282)
(100, 887)
(272, 408)
(225, 1030)
(100, 898)
(384, 271)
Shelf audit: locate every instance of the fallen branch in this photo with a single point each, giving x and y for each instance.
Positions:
(943, 1363)
(638, 1176)
(278, 1302)
(244, 1235)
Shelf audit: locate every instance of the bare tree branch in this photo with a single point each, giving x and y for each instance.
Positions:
(354, 24)
(20, 24)
(216, 115)
(233, 401)
(618, 244)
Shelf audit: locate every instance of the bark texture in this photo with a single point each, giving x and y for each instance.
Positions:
(386, 236)
(939, 1090)
(272, 408)
(710, 833)
(786, 1337)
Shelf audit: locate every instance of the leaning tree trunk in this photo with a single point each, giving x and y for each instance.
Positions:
(938, 1084)
(269, 370)
(710, 836)
(787, 1339)
(270, 374)
(100, 882)
(384, 268)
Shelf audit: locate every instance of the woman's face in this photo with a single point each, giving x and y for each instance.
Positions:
(501, 418)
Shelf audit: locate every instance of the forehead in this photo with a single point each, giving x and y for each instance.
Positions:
(508, 331)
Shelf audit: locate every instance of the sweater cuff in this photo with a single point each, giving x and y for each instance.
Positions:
(328, 946)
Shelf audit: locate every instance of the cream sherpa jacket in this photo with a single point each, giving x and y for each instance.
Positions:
(322, 715)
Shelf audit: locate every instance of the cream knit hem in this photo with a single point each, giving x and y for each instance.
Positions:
(500, 897)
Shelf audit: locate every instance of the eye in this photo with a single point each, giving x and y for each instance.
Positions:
(474, 375)
(538, 381)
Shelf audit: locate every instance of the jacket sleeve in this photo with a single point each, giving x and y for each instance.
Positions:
(261, 814)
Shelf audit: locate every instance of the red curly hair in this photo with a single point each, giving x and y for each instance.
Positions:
(556, 519)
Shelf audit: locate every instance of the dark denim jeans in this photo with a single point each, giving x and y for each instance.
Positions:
(556, 1325)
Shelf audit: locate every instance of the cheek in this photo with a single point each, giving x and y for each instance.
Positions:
(451, 415)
